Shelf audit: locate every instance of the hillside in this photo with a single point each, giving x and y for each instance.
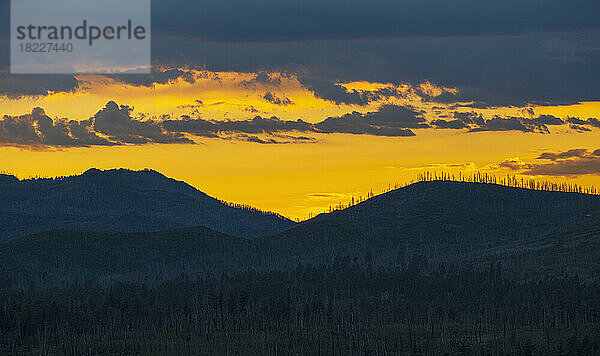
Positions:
(447, 211)
(121, 201)
(532, 233)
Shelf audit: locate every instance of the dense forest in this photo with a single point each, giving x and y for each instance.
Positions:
(347, 308)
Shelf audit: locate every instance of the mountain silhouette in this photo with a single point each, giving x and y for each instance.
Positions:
(121, 200)
(534, 233)
(465, 212)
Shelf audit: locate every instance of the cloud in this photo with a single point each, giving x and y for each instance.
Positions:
(432, 91)
(579, 123)
(389, 120)
(18, 85)
(337, 93)
(573, 162)
(350, 19)
(452, 124)
(356, 124)
(560, 66)
(579, 129)
(467, 44)
(592, 121)
(116, 121)
(257, 125)
(273, 99)
(278, 140)
(576, 167)
(327, 195)
(515, 164)
(198, 127)
(543, 120)
(82, 131)
(539, 124)
(37, 129)
(262, 78)
(155, 77)
(196, 105)
(115, 125)
(470, 118)
(495, 52)
(476, 123)
(572, 153)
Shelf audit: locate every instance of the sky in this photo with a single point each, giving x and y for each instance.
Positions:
(295, 106)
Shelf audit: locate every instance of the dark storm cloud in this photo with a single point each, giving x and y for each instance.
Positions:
(17, 85)
(245, 130)
(540, 68)
(468, 44)
(275, 20)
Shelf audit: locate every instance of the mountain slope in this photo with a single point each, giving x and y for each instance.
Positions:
(121, 200)
(64, 255)
(57, 256)
(444, 211)
(532, 233)
(454, 222)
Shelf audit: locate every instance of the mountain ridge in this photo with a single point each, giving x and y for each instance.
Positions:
(531, 232)
(87, 201)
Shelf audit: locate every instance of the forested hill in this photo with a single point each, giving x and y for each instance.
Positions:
(432, 268)
(535, 233)
(121, 200)
(469, 212)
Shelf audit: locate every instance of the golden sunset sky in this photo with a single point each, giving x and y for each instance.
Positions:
(292, 172)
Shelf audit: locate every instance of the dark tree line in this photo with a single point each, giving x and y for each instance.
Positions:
(348, 307)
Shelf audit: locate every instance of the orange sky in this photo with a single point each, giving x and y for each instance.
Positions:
(293, 179)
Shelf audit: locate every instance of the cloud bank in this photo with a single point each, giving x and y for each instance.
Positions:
(115, 125)
(573, 162)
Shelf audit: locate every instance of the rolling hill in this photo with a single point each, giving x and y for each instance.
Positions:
(121, 201)
(534, 233)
